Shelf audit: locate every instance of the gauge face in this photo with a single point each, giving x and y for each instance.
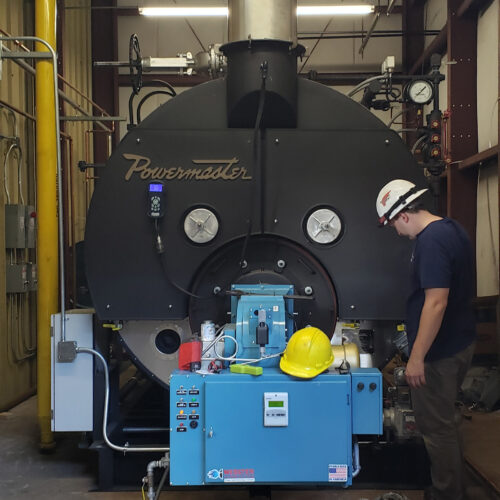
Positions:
(420, 91)
(323, 226)
(201, 225)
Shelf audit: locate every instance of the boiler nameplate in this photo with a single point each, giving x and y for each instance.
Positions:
(208, 170)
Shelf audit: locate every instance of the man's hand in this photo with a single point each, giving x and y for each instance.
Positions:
(436, 300)
(415, 373)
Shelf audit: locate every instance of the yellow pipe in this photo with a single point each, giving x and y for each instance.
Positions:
(47, 245)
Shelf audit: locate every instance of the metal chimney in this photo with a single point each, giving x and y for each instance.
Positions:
(262, 63)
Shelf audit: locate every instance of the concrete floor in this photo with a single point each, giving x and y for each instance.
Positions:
(66, 474)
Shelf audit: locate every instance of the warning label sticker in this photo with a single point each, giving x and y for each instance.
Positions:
(337, 473)
(239, 475)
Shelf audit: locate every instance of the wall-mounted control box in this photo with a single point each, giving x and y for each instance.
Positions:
(20, 226)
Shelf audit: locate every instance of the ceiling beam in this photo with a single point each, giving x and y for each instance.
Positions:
(437, 46)
(470, 6)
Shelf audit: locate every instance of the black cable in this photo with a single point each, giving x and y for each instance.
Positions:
(175, 285)
(146, 97)
(161, 82)
(161, 251)
(256, 158)
(131, 109)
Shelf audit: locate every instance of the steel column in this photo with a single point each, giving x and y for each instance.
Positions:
(462, 102)
(47, 245)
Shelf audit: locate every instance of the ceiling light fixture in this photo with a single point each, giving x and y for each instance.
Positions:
(334, 10)
(183, 11)
(304, 10)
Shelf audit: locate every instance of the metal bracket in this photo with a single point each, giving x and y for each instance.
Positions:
(66, 351)
(83, 165)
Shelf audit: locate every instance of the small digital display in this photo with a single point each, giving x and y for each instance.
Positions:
(155, 188)
(276, 404)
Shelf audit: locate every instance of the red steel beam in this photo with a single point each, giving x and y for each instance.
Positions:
(462, 102)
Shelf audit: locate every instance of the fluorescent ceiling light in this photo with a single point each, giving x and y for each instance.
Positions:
(334, 10)
(183, 11)
(305, 10)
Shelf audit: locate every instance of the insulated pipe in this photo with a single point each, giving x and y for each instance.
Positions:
(47, 138)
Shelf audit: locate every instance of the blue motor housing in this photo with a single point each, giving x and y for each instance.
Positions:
(245, 318)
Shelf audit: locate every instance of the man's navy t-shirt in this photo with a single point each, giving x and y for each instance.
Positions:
(442, 258)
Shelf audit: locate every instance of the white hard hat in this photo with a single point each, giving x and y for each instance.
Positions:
(395, 196)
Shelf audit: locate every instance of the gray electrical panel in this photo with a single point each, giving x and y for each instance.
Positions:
(21, 278)
(15, 226)
(20, 226)
(72, 383)
(17, 278)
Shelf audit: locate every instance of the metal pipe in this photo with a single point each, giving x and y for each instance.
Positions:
(113, 446)
(247, 22)
(356, 89)
(17, 110)
(156, 464)
(390, 6)
(48, 109)
(60, 93)
(70, 210)
(364, 43)
(356, 465)
(144, 430)
(87, 118)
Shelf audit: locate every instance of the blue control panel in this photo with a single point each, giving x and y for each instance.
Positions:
(219, 432)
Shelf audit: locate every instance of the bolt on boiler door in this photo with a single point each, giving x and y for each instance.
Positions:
(308, 433)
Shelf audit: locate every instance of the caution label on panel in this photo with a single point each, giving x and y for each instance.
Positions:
(239, 475)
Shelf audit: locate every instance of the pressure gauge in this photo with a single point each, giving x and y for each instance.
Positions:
(420, 91)
(201, 225)
(323, 226)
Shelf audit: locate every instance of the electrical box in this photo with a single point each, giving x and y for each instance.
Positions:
(15, 227)
(219, 433)
(367, 393)
(17, 278)
(20, 226)
(72, 383)
(21, 277)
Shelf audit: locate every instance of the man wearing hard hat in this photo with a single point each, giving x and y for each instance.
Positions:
(440, 326)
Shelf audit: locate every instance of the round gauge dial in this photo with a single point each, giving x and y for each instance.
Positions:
(420, 91)
(323, 226)
(201, 225)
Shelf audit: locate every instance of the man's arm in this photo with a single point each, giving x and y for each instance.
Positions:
(436, 300)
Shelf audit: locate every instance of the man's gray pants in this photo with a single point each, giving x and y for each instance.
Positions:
(434, 406)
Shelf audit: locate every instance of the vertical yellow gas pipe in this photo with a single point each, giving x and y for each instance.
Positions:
(47, 248)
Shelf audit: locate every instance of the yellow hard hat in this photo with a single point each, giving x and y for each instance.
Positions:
(307, 354)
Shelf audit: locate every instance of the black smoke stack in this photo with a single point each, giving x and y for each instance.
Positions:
(262, 64)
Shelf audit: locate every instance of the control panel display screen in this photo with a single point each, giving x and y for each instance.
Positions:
(155, 188)
(276, 404)
(275, 409)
